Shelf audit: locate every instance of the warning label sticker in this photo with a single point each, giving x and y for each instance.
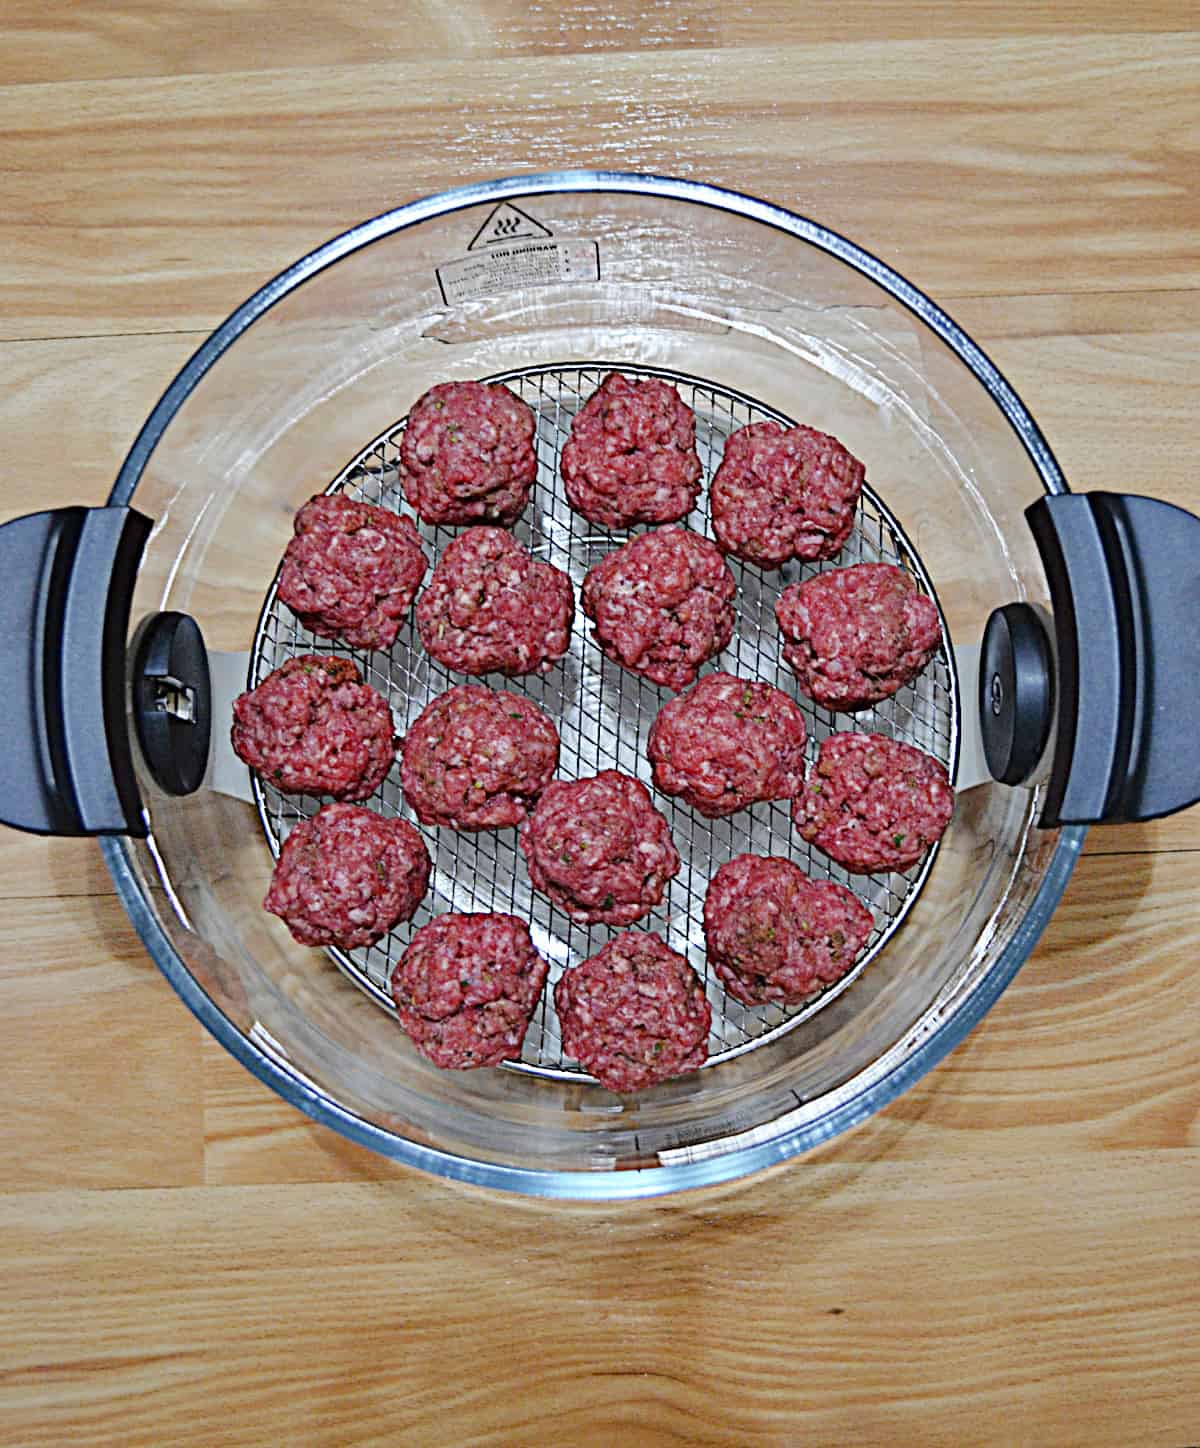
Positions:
(507, 222)
(504, 265)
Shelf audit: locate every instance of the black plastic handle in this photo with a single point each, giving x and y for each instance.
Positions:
(1124, 576)
(66, 759)
(66, 582)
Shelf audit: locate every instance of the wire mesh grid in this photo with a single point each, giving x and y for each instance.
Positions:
(604, 714)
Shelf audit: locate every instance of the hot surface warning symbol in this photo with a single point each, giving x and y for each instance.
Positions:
(508, 223)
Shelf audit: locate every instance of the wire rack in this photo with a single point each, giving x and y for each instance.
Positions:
(604, 715)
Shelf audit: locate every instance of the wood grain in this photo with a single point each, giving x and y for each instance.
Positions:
(57, 452)
(96, 41)
(1006, 1255)
(658, 1324)
(154, 37)
(96, 1054)
(974, 165)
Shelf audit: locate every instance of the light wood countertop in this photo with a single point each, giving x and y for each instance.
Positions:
(1011, 1253)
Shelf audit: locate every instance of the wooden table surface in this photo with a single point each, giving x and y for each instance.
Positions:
(1008, 1254)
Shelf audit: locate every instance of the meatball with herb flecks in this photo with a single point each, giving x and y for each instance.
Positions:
(467, 454)
(728, 743)
(477, 758)
(873, 803)
(783, 493)
(492, 608)
(773, 934)
(634, 1014)
(631, 456)
(599, 849)
(466, 987)
(662, 604)
(313, 727)
(346, 876)
(854, 636)
(352, 570)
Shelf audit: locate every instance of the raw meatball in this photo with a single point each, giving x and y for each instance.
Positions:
(783, 493)
(491, 607)
(775, 935)
(631, 457)
(856, 635)
(728, 743)
(874, 803)
(313, 727)
(466, 987)
(599, 849)
(352, 570)
(662, 604)
(476, 759)
(347, 876)
(467, 454)
(634, 1014)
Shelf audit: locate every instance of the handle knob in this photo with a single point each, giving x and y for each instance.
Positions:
(66, 765)
(1124, 582)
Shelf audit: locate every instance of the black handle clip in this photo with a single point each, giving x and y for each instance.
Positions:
(66, 766)
(1124, 575)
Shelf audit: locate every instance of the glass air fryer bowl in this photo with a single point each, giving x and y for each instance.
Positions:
(630, 270)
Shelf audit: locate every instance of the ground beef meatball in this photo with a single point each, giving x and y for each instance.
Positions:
(599, 849)
(476, 759)
(874, 803)
(466, 987)
(728, 743)
(347, 876)
(854, 636)
(313, 727)
(662, 604)
(631, 456)
(492, 608)
(634, 1014)
(775, 935)
(783, 493)
(352, 570)
(467, 454)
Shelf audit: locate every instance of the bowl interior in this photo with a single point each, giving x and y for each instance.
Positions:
(647, 276)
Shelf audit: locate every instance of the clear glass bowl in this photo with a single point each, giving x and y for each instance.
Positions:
(537, 272)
